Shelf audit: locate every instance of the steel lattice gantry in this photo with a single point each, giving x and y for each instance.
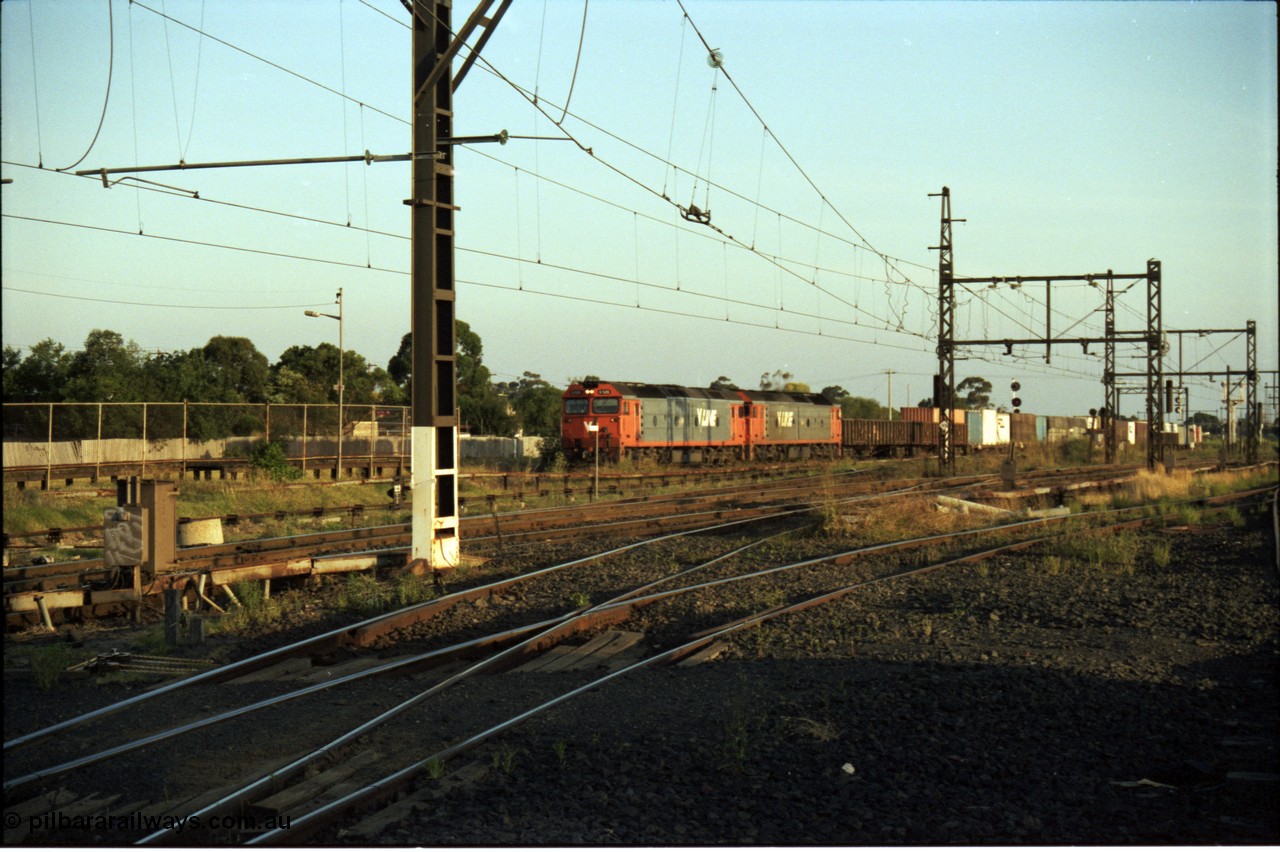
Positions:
(1151, 337)
(1253, 414)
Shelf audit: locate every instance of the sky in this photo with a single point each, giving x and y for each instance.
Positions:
(1074, 137)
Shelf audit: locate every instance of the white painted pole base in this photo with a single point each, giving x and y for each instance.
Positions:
(435, 499)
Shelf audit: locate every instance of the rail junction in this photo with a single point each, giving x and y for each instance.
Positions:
(570, 603)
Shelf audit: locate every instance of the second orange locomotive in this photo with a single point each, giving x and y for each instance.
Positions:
(668, 423)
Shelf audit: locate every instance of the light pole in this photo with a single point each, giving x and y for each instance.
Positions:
(341, 383)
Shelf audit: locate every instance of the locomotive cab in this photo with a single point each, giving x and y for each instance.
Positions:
(592, 417)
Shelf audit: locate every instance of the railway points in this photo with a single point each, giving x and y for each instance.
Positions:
(667, 621)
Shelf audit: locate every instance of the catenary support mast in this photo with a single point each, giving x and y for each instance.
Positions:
(434, 431)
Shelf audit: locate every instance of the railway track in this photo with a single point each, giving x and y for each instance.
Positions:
(698, 616)
(74, 585)
(333, 551)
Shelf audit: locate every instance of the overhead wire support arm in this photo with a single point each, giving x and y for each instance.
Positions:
(367, 158)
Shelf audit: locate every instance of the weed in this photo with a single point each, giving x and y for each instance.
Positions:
(735, 745)
(823, 731)
(249, 593)
(579, 600)
(504, 757)
(764, 637)
(151, 642)
(926, 627)
(1188, 515)
(411, 589)
(1098, 552)
(1234, 517)
(831, 520)
(1161, 554)
(561, 748)
(270, 460)
(48, 662)
(363, 594)
(435, 769)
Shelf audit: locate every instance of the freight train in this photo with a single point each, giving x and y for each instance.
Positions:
(669, 423)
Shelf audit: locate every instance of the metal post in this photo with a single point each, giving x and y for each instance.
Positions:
(48, 454)
(337, 473)
(304, 438)
(184, 439)
(97, 455)
(341, 381)
(435, 411)
(1110, 393)
(1155, 367)
(595, 488)
(945, 387)
(1252, 422)
(144, 439)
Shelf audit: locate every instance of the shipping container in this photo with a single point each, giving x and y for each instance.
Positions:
(1022, 429)
(931, 415)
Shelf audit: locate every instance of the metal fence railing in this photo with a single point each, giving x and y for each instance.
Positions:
(110, 434)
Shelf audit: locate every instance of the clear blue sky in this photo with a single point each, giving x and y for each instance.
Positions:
(1075, 137)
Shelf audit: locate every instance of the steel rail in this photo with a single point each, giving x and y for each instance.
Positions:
(388, 784)
(579, 619)
(280, 548)
(337, 634)
(550, 636)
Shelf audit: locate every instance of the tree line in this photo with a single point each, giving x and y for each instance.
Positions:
(232, 370)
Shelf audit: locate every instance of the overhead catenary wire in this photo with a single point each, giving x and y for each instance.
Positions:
(106, 99)
(184, 307)
(778, 141)
(35, 82)
(890, 260)
(141, 5)
(765, 131)
(582, 36)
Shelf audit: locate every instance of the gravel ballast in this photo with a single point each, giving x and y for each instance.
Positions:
(1032, 698)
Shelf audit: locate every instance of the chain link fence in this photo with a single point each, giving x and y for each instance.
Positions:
(127, 437)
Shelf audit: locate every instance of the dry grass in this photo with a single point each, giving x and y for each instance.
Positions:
(911, 517)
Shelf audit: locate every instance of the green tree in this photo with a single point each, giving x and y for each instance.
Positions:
(237, 370)
(1210, 423)
(723, 383)
(862, 408)
(306, 374)
(835, 393)
(39, 377)
(974, 392)
(775, 381)
(536, 403)
(477, 398)
(106, 370)
(400, 367)
(479, 404)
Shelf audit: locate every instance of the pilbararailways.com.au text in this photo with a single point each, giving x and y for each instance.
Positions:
(138, 821)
